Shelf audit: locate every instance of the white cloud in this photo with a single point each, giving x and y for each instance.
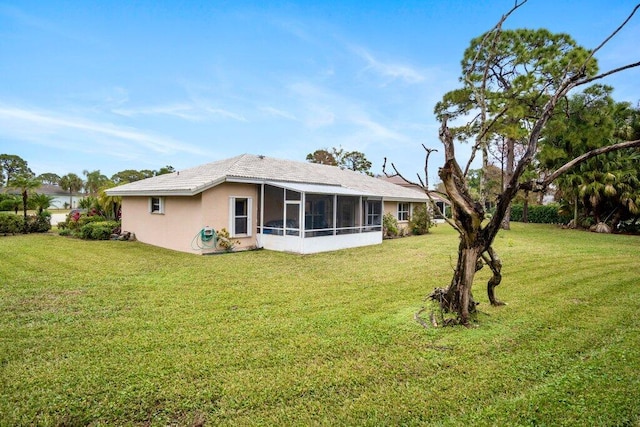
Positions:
(191, 112)
(225, 114)
(182, 111)
(389, 70)
(73, 133)
(278, 113)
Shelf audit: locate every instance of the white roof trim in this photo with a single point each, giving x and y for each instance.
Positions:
(318, 188)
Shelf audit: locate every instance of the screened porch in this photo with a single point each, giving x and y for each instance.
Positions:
(307, 218)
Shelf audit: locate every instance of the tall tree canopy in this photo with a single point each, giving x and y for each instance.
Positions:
(352, 160)
(323, 157)
(49, 178)
(12, 166)
(129, 175)
(94, 181)
(165, 170)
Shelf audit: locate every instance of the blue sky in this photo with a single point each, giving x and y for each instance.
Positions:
(116, 85)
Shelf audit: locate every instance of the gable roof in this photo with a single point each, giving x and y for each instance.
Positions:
(398, 180)
(261, 169)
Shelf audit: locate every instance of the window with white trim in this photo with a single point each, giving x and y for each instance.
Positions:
(403, 211)
(240, 209)
(156, 205)
(374, 212)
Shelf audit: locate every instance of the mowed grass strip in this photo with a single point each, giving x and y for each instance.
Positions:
(124, 333)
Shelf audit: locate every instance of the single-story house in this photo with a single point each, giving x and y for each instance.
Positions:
(442, 204)
(262, 202)
(61, 198)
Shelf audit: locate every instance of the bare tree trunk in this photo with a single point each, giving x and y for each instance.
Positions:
(525, 207)
(457, 298)
(506, 222)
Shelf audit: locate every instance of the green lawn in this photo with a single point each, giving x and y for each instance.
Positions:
(123, 333)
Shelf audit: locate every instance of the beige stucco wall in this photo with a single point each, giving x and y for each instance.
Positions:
(173, 229)
(392, 208)
(184, 217)
(215, 209)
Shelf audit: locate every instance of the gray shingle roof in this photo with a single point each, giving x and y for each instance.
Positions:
(252, 168)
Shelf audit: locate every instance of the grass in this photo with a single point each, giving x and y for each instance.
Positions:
(124, 333)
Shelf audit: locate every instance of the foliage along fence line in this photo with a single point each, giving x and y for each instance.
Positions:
(539, 214)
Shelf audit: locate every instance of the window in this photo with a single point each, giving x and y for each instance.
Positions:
(374, 212)
(403, 211)
(156, 205)
(240, 216)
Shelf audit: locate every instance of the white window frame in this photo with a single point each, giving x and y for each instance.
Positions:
(402, 212)
(160, 209)
(232, 216)
(371, 215)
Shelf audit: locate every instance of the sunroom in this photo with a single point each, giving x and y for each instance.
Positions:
(310, 218)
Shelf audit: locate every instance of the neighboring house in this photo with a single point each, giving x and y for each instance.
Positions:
(262, 202)
(403, 214)
(61, 197)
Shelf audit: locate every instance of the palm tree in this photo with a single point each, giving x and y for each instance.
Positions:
(109, 204)
(71, 183)
(42, 201)
(95, 180)
(25, 183)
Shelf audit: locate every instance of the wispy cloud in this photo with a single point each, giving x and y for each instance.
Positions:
(182, 111)
(23, 18)
(274, 112)
(391, 71)
(195, 112)
(376, 131)
(71, 132)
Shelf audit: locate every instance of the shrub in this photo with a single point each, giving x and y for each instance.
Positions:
(389, 225)
(64, 232)
(11, 224)
(224, 240)
(539, 214)
(420, 221)
(40, 223)
(98, 230)
(76, 220)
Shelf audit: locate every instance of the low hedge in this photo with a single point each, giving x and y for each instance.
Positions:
(13, 224)
(539, 214)
(98, 230)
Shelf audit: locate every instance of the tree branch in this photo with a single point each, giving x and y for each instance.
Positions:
(617, 30)
(608, 73)
(542, 185)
